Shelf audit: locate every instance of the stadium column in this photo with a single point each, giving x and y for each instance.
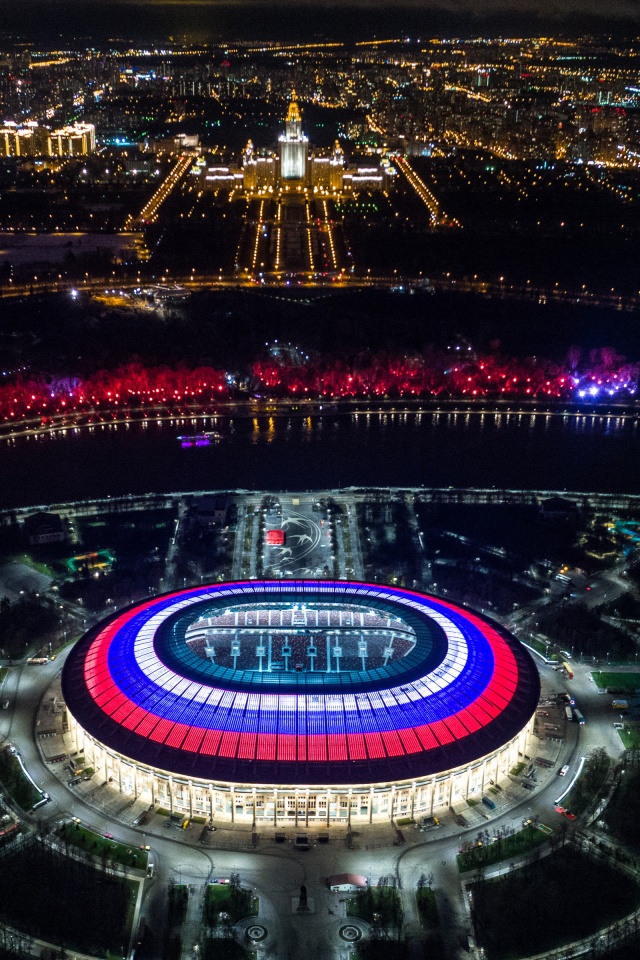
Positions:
(170, 791)
(349, 808)
(306, 809)
(413, 797)
(135, 781)
(73, 730)
(328, 806)
(190, 799)
(393, 801)
(254, 794)
(371, 804)
(233, 804)
(485, 766)
(120, 774)
(296, 803)
(275, 807)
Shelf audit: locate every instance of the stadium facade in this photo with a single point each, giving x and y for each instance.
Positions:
(300, 702)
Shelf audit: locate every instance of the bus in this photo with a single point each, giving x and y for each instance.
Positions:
(38, 660)
(567, 669)
(577, 716)
(568, 713)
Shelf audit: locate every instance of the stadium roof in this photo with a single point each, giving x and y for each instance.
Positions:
(466, 688)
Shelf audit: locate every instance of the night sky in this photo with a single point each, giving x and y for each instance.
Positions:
(212, 19)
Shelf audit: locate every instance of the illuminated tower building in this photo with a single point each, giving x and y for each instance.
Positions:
(259, 171)
(249, 167)
(294, 146)
(337, 168)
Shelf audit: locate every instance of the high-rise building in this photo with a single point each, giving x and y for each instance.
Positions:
(294, 146)
(22, 140)
(76, 140)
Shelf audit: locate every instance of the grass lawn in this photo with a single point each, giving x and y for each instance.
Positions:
(227, 898)
(427, 907)
(617, 681)
(65, 901)
(177, 904)
(630, 736)
(380, 906)
(548, 903)
(538, 645)
(501, 849)
(590, 784)
(15, 783)
(103, 848)
(3, 672)
(623, 810)
(223, 948)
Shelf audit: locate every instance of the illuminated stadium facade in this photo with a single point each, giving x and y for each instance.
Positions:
(300, 701)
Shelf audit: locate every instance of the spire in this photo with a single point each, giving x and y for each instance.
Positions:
(293, 114)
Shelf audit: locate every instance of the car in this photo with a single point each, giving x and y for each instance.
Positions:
(563, 770)
(565, 813)
(428, 822)
(108, 836)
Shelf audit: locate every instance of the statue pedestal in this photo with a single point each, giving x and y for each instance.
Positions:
(301, 911)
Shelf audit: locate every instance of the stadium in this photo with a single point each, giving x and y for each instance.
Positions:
(305, 701)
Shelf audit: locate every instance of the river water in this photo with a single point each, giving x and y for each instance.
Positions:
(522, 451)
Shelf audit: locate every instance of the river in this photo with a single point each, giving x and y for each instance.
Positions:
(524, 451)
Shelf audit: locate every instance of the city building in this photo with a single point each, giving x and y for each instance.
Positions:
(293, 148)
(75, 140)
(300, 701)
(43, 527)
(294, 168)
(31, 140)
(22, 140)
